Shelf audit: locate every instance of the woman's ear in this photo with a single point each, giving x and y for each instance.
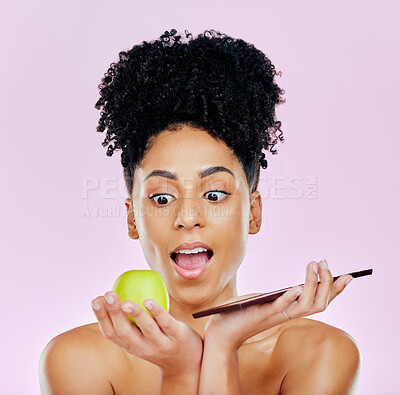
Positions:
(132, 229)
(255, 212)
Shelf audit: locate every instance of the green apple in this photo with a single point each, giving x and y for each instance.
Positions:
(139, 285)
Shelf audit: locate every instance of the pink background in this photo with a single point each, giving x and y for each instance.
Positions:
(340, 62)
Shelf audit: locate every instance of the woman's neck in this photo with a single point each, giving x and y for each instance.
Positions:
(183, 312)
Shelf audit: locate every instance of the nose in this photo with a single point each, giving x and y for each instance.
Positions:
(189, 213)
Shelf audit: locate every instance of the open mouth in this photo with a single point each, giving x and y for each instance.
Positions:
(209, 254)
(192, 265)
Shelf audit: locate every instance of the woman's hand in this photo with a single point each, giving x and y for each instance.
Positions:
(172, 345)
(231, 329)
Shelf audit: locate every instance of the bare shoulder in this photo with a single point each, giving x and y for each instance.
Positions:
(318, 358)
(77, 361)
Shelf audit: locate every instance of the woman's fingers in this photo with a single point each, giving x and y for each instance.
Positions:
(168, 324)
(339, 285)
(317, 296)
(125, 329)
(157, 330)
(322, 296)
(122, 325)
(306, 299)
(105, 323)
(283, 302)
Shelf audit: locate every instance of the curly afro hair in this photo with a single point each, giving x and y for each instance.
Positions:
(214, 82)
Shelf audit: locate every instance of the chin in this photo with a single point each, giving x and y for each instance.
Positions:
(194, 296)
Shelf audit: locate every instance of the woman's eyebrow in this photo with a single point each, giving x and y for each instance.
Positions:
(203, 173)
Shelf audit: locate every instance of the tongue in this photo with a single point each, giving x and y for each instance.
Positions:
(191, 261)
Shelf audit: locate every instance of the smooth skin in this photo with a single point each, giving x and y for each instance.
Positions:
(200, 356)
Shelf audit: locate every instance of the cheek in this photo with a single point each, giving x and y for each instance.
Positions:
(231, 228)
(228, 220)
(152, 237)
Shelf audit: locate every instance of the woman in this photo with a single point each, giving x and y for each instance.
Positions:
(192, 118)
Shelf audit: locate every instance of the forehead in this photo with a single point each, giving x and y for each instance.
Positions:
(186, 152)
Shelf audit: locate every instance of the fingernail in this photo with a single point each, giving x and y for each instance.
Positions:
(348, 280)
(325, 264)
(315, 268)
(148, 305)
(109, 298)
(127, 309)
(95, 305)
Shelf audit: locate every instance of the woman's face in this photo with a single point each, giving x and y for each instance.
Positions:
(187, 210)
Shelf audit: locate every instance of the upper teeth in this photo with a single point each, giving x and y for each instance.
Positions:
(194, 251)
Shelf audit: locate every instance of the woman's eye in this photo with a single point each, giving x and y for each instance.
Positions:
(160, 199)
(214, 195)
